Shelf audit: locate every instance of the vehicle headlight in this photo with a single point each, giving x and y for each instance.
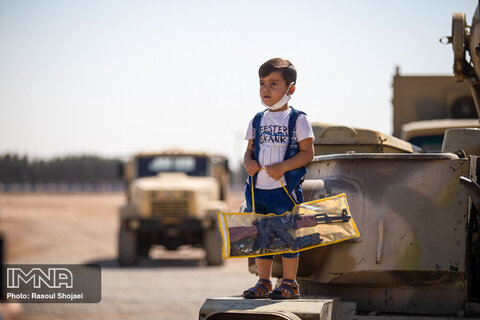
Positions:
(133, 224)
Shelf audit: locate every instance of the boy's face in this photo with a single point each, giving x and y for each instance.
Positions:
(273, 88)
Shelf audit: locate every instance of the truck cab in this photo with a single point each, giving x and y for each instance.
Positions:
(172, 200)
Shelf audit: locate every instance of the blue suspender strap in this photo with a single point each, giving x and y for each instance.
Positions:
(256, 133)
(256, 139)
(294, 177)
(292, 125)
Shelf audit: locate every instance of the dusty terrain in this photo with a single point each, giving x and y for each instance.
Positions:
(82, 228)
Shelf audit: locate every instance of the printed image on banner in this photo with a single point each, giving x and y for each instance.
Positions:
(310, 224)
(51, 283)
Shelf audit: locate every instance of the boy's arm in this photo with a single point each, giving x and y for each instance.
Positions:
(302, 158)
(251, 165)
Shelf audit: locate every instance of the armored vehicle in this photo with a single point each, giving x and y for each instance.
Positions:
(172, 200)
(417, 212)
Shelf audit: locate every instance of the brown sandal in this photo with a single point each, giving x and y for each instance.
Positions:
(259, 291)
(287, 290)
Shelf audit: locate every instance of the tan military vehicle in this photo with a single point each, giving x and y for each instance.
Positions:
(424, 107)
(416, 207)
(172, 200)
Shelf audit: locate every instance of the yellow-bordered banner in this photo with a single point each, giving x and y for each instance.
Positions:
(309, 225)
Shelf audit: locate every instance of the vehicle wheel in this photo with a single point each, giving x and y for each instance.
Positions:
(127, 247)
(143, 246)
(212, 242)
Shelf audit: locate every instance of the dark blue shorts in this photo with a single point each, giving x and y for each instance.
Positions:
(274, 201)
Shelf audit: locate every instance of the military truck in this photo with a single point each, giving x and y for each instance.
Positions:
(424, 107)
(418, 255)
(172, 200)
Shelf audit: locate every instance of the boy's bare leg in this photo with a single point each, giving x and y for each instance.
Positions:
(290, 267)
(264, 268)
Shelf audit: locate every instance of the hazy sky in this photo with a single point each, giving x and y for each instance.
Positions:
(116, 77)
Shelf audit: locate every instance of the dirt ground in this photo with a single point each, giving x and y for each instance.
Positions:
(82, 228)
(59, 228)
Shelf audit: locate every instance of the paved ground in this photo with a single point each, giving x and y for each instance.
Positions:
(82, 228)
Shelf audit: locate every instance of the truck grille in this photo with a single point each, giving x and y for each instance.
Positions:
(169, 207)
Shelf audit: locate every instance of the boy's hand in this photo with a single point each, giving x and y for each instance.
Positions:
(252, 167)
(275, 171)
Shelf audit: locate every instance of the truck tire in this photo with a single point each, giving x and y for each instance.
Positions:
(212, 242)
(127, 247)
(143, 246)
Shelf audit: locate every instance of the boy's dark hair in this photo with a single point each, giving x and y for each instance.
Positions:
(285, 67)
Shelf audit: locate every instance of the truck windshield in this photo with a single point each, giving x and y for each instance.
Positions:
(192, 166)
(428, 143)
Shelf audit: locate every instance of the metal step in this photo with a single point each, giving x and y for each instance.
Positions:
(306, 308)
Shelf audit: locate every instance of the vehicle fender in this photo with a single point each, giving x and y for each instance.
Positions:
(211, 217)
(214, 207)
(128, 210)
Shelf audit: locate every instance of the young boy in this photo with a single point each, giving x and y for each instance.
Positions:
(280, 144)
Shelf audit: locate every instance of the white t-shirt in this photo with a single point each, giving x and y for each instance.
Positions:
(274, 141)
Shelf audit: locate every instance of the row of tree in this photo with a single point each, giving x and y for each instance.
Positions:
(68, 169)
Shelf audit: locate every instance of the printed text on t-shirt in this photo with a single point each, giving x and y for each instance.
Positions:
(273, 134)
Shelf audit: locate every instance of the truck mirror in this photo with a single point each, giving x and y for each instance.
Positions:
(226, 166)
(120, 170)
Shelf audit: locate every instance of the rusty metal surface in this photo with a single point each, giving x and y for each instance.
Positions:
(422, 203)
(423, 209)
